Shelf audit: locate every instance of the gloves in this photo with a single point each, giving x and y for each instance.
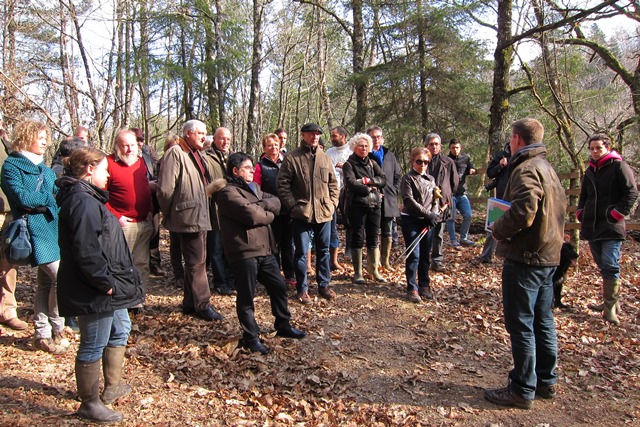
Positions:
(366, 181)
(433, 219)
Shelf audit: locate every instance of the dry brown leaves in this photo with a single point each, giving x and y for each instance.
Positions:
(371, 358)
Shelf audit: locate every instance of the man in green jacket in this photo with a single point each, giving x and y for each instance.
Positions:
(308, 189)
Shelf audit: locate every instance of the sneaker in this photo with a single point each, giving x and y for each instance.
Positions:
(455, 245)
(60, 338)
(467, 242)
(438, 267)
(326, 292)
(506, 397)
(546, 391)
(414, 297)
(304, 298)
(15, 324)
(48, 345)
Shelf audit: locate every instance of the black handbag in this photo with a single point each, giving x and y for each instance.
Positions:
(16, 242)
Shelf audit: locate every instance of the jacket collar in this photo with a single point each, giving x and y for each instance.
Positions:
(612, 156)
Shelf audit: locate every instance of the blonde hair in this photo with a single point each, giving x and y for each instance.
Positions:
(26, 133)
(271, 136)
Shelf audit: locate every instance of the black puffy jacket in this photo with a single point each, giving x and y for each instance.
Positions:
(94, 256)
(360, 194)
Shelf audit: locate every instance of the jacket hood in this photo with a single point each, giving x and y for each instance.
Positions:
(612, 156)
(69, 186)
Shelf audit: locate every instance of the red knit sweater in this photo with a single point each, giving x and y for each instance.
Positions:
(129, 193)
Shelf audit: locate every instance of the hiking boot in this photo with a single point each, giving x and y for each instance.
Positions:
(438, 267)
(59, 338)
(546, 391)
(414, 297)
(303, 297)
(48, 345)
(505, 397)
(425, 292)
(326, 292)
(455, 245)
(16, 324)
(290, 282)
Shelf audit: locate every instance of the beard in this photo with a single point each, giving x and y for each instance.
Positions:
(128, 159)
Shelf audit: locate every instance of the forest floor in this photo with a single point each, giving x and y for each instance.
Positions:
(371, 358)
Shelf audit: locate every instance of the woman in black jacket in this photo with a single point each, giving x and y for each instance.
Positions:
(363, 180)
(607, 195)
(97, 282)
(246, 214)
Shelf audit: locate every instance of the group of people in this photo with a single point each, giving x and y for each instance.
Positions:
(259, 223)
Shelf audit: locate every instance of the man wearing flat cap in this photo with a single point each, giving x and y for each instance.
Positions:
(308, 189)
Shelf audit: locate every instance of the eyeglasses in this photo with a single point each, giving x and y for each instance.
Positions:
(421, 162)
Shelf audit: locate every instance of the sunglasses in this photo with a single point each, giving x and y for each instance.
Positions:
(421, 162)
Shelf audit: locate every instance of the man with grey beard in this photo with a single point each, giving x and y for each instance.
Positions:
(130, 199)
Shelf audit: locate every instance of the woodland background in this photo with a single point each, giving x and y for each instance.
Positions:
(463, 68)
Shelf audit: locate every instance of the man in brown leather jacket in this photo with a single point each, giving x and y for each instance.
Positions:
(530, 235)
(308, 189)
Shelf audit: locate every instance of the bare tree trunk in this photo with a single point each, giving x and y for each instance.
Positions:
(502, 60)
(322, 70)
(422, 53)
(256, 65)
(360, 82)
(222, 89)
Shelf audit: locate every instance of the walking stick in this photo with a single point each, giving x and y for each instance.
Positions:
(404, 255)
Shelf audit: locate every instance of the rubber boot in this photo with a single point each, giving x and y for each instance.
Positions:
(88, 382)
(611, 292)
(385, 252)
(335, 265)
(356, 259)
(112, 364)
(373, 262)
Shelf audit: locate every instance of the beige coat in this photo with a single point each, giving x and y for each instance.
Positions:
(181, 191)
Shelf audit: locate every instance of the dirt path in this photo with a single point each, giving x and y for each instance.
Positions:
(371, 358)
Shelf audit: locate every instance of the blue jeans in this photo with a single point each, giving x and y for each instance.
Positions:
(302, 235)
(606, 254)
(527, 295)
(334, 243)
(417, 263)
(100, 330)
(462, 204)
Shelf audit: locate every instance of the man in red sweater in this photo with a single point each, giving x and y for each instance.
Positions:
(130, 199)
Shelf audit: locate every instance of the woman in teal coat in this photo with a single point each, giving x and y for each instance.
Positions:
(29, 186)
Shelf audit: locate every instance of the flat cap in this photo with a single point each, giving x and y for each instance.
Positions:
(311, 127)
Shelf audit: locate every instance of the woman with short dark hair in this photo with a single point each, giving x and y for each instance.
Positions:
(608, 192)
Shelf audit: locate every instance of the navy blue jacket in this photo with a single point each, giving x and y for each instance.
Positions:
(94, 256)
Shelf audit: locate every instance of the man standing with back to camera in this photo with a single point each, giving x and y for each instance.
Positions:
(530, 236)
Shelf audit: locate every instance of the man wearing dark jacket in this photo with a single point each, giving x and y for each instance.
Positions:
(464, 167)
(530, 235)
(390, 211)
(443, 170)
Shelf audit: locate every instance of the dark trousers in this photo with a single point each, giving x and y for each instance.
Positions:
(364, 220)
(197, 295)
(247, 273)
(175, 255)
(417, 263)
(222, 275)
(282, 231)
